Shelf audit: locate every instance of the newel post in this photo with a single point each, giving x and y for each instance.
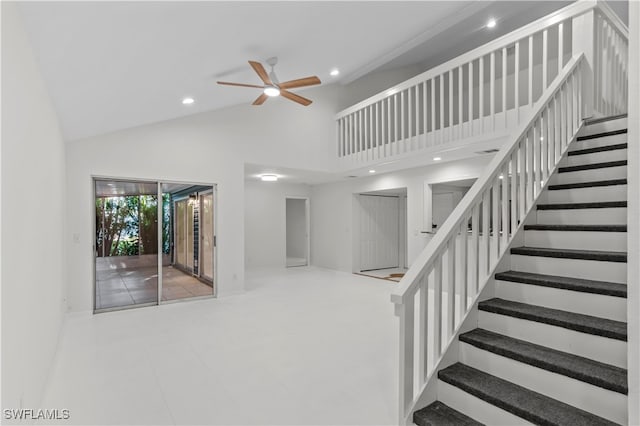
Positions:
(583, 40)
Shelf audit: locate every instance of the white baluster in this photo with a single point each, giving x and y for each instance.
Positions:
(545, 41)
(522, 205)
(406, 352)
(461, 273)
(492, 90)
(441, 100)
(451, 287)
(460, 102)
(530, 73)
(423, 336)
(485, 244)
(505, 208)
(424, 111)
(495, 222)
(450, 132)
(481, 93)
(514, 187)
(504, 85)
(470, 125)
(475, 249)
(437, 306)
(433, 111)
(517, 82)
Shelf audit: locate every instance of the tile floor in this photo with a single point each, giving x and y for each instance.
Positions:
(302, 346)
(124, 281)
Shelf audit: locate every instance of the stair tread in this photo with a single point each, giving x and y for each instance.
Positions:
(574, 206)
(584, 369)
(602, 134)
(578, 322)
(517, 400)
(592, 166)
(565, 283)
(590, 121)
(439, 414)
(587, 228)
(592, 184)
(599, 255)
(605, 148)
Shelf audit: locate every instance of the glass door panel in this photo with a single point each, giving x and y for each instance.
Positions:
(126, 256)
(184, 274)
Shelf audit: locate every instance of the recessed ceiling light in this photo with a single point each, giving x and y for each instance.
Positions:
(491, 23)
(372, 171)
(437, 158)
(269, 178)
(501, 177)
(271, 91)
(188, 101)
(334, 72)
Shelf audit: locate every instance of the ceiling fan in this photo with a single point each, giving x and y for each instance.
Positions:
(272, 87)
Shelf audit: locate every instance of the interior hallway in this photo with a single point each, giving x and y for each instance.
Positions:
(291, 350)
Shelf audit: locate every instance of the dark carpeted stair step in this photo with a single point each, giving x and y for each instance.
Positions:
(564, 283)
(439, 414)
(576, 206)
(598, 149)
(522, 402)
(569, 320)
(583, 228)
(586, 370)
(610, 182)
(592, 166)
(602, 135)
(602, 256)
(590, 121)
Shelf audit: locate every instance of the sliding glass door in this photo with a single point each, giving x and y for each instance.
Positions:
(148, 252)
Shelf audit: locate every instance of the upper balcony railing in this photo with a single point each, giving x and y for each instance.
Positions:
(482, 93)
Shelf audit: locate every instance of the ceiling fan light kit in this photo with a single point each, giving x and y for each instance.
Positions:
(272, 87)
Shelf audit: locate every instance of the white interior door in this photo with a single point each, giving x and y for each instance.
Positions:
(379, 232)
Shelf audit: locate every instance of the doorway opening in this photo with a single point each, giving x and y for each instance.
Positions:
(148, 251)
(297, 231)
(381, 218)
(445, 196)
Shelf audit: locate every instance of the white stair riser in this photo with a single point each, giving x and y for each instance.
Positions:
(605, 216)
(597, 305)
(603, 349)
(587, 195)
(596, 157)
(598, 142)
(606, 173)
(578, 240)
(476, 408)
(605, 126)
(578, 268)
(601, 402)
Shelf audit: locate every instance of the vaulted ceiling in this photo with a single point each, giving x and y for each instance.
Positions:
(113, 65)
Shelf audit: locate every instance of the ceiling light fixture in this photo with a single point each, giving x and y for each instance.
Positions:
(269, 178)
(334, 72)
(437, 158)
(372, 171)
(271, 91)
(491, 23)
(188, 101)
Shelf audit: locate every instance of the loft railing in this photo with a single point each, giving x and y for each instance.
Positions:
(480, 94)
(443, 284)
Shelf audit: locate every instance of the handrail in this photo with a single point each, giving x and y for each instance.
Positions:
(570, 11)
(451, 225)
(504, 194)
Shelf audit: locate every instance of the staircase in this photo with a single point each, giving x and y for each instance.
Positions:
(550, 342)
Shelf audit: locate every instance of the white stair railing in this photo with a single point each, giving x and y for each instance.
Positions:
(443, 283)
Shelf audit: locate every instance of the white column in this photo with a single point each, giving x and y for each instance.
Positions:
(583, 42)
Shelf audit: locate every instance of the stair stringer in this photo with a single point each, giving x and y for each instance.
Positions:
(451, 355)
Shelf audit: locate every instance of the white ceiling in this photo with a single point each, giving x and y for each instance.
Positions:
(112, 65)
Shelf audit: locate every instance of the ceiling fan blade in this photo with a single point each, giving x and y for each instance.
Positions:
(262, 73)
(295, 98)
(226, 83)
(301, 82)
(260, 100)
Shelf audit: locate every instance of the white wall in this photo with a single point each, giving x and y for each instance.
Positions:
(296, 218)
(33, 201)
(209, 147)
(333, 206)
(633, 218)
(265, 222)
